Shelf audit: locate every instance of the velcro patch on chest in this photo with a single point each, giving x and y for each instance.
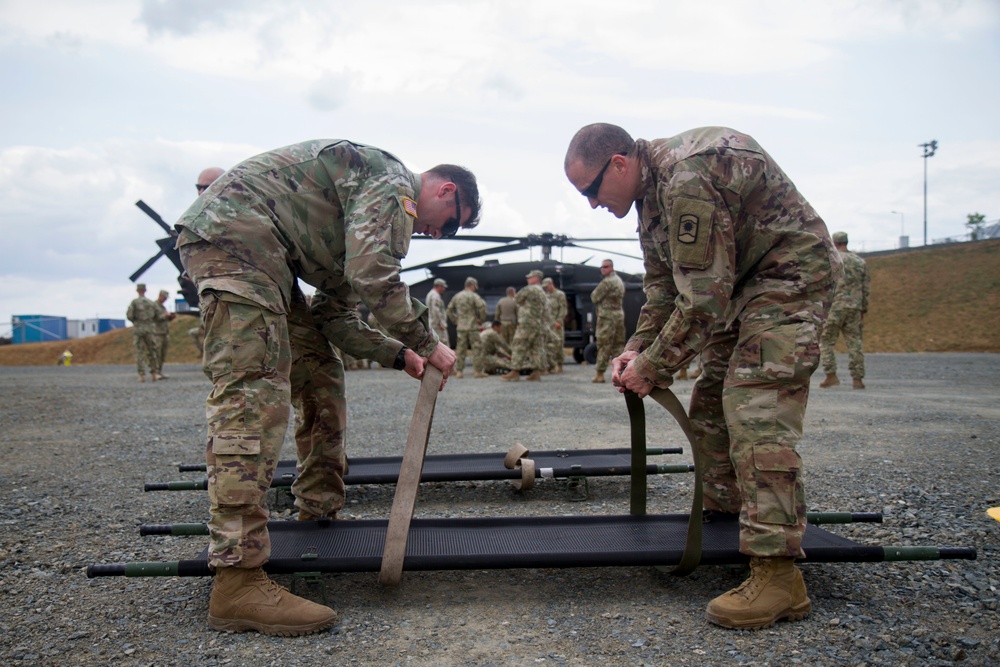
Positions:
(691, 232)
(410, 206)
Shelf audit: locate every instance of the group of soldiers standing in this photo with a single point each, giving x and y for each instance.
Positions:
(525, 338)
(150, 332)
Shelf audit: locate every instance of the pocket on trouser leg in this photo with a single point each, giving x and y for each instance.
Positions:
(237, 470)
(778, 492)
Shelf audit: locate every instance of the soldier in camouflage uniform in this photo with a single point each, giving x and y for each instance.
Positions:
(558, 308)
(336, 215)
(494, 352)
(740, 267)
(529, 351)
(607, 299)
(436, 310)
(466, 311)
(142, 314)
(161, 331)
(846, 316)
(506, 314)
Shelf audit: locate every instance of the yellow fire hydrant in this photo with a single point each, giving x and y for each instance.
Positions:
(65, 359)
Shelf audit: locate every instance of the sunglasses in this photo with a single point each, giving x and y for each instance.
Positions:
(200, 188)
(591, 191)
(450, 228)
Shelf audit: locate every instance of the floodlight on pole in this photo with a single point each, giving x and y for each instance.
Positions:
(929, 149)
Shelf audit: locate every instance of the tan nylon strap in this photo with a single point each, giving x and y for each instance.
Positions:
(405, 499)
(516, 459)
(692, 547)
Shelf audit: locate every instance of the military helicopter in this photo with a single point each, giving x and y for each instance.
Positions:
(187, 288)
(577, 280)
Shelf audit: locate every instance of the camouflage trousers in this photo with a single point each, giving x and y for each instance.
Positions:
(319, 399)
(747, 409)
(491, 363)
(144, 347)
(507, 330)
(248, 356)
(557, 345)
(610, 340)
(465, 340)
(162, 345)
(847, 321)
(529, 351)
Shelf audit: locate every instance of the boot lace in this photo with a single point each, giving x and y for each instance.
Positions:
(750, 588)
(266, 583)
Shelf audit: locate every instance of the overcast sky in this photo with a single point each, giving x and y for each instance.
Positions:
(110, 101)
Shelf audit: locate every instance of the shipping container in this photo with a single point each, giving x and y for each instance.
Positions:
(37, 328)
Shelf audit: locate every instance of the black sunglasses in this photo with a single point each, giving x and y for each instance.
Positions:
(450, 228)
(595, 187)
(200, 188)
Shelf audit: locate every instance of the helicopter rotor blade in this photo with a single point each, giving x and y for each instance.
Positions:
(605, 250)
(155, 216)
(469, 255)
(144, 267)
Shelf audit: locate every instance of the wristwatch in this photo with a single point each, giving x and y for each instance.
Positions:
(399, 363)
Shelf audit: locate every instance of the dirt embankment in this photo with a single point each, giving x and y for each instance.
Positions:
(940, 299)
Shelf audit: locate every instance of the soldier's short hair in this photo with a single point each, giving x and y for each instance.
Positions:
(594, 144)
(467, 187)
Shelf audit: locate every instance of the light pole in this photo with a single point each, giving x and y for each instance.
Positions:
(904, 240)
(929, 148)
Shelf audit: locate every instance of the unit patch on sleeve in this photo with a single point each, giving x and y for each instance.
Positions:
(410, 206)
(691, 238)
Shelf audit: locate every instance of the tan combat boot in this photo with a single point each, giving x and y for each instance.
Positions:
(831, 381)
(774, 591)
(457, 374)
(479, 374)
(248, 600)
(858, 384)
(694, 374)
(309, 516)
(535, 376)
(513, 376)
(599, 378)
(682, 374)
(142, 377)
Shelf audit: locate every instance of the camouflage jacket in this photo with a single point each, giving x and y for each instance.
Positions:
(142, 314)
(341, 323)
(335, 214)
(492, 343)
(719, 223)
(438, 314)
(532, 308)
(467, 310)
(852, 290)
(558, 307)
(607, 298)
(161, 323)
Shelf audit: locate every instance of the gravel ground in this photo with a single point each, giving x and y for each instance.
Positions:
(919, 445)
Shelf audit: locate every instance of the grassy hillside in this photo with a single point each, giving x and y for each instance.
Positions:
(940, 299)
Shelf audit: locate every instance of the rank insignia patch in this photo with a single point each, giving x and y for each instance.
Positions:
(691, 233)
(410, 206)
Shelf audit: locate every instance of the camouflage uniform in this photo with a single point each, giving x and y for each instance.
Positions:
(529, 351)
(338, 216)
(740, 267)
(438, 315)
(506, 315)
(161, 334)
(142, 314)
(493, 354)
(559, 308)
(607, 299)
(466, 311)
(850, 303)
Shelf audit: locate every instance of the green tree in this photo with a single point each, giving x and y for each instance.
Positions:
(975, 223)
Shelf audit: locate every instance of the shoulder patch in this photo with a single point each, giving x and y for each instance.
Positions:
(410, 206)
(691, 232)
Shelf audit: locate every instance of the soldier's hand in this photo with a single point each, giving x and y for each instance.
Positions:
(619, 363)
(629, 379)
(443, 358)
(414, 364)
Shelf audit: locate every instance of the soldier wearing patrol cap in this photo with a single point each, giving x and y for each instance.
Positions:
(846, 316)
(161, 333)
(529, 354)
(436, 311)
(337, 215)
(141, 313)
(740, 268)
(466, 311)
(558, 308)
(607, 298)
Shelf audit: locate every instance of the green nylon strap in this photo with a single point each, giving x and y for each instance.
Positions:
(637, 421)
